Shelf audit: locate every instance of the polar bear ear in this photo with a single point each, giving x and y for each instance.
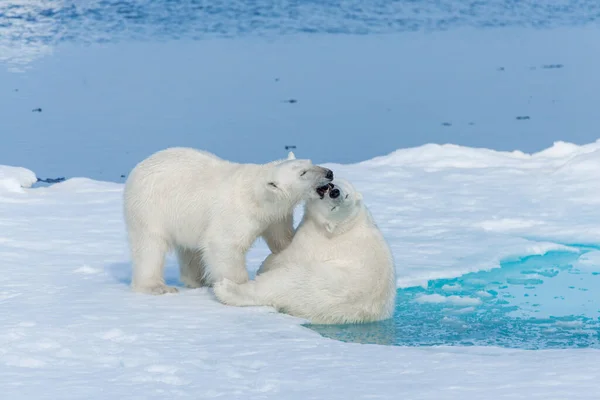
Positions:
(273, 187)
(291, 156)
(358, 197)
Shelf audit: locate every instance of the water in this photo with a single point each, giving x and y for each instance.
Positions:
(115, 80)
(87, 19)
(30, 28)
(540, 302)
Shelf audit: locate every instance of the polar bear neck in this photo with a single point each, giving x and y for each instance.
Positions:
(268, 207)
(339, 227)
(347, 224)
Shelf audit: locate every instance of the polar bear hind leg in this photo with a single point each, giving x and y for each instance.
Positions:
(148, 263)
(273, 289)
(233, 294)
(191, 267)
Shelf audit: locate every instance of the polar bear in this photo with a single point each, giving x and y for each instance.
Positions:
(210, 211)
(338, 268)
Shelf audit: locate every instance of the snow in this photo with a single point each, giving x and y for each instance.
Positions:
(14, 179)
(455, 300)
(589, 260)
(71, 325)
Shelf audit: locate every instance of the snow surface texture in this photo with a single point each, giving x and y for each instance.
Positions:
(72, 329)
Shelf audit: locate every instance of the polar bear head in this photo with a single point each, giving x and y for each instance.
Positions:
(292, 180)
(336, 206)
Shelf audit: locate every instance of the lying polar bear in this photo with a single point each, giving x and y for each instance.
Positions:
(338, 268)
(210, 211)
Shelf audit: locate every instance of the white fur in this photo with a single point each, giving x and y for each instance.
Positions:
(210, 211)
(338, 268)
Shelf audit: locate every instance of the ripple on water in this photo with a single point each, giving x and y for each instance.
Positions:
(30, 29)
(539, 302)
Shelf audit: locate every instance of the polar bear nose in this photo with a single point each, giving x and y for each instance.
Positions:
(334, 193)
(329, 174)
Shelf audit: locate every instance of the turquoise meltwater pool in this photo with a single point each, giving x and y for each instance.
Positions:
(539, 302)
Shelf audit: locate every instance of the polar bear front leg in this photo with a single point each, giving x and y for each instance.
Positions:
(279, 234)
(225, 262)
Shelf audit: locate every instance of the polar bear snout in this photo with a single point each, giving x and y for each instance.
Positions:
(323, 189)
(325, 174)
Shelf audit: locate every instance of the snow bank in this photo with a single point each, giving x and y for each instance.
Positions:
(14, 179)
(434, 156)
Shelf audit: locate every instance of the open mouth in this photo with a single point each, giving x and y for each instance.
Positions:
(322, 190)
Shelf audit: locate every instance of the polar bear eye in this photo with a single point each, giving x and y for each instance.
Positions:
(303, 173)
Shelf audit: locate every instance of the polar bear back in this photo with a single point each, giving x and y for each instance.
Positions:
(164, 191)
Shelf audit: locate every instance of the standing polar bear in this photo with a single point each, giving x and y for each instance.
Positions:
(210, 211)
(338, 268)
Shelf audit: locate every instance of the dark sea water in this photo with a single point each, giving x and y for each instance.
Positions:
(92, 20)
(90, 87)
(26, 22)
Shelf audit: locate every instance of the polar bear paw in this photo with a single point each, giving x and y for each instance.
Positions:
(157, 289)
(226, 291)
(191, 283)
(234, 294)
